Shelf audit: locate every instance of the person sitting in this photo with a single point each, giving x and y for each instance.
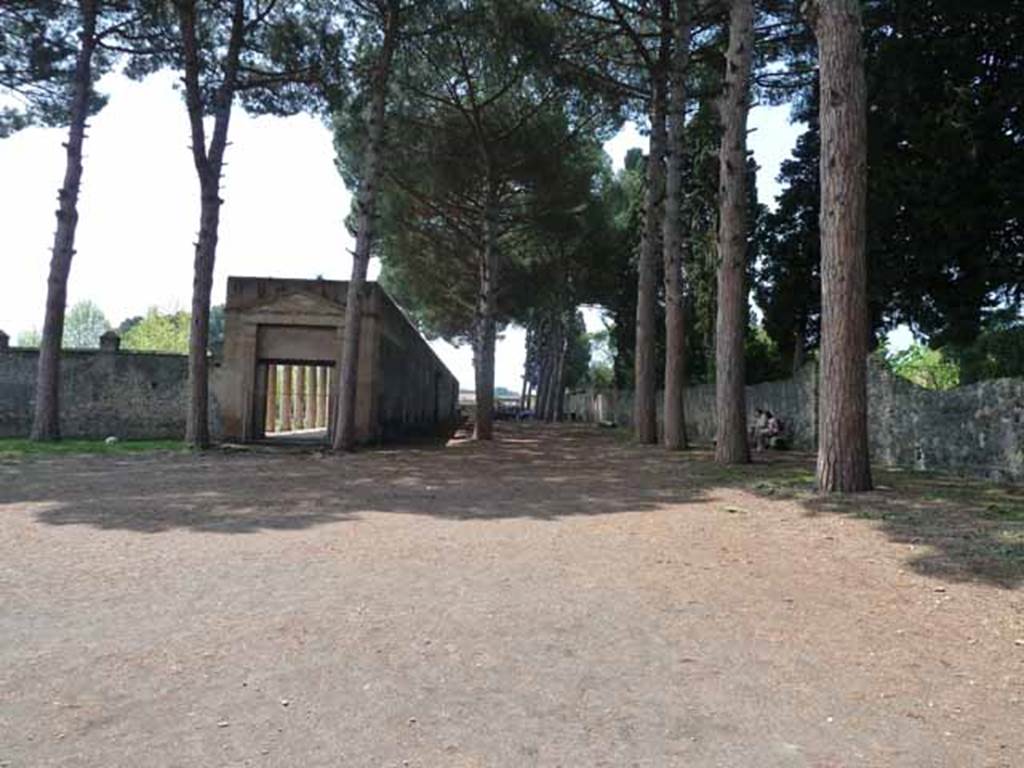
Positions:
(762, 417)
(759, 423)
(774, 430)
(768, 430)
(773, 433)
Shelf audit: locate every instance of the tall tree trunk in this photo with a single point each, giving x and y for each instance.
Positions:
(645, 415)
(486, 331)
(798, 349)
(345, 434)
(731, 446)
(543, 366)
(543, 379)
(46, 421)
(557, 353)
(558, 399)
(672, 239)
(843, 462)
(209, 164)
(550, 342)
(198, 427)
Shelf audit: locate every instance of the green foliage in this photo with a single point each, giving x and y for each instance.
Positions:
(764, 363)
(945, 203)
(787, 286)
(624, 201)
(157, 332)
(39, 41)
(30, 338)
(600, 376)
(601, 352)
(479, 121)
(926, 367)
(700, 216)
(216, 325)
(84, 323)
(167, 331)
(577, 353)
(998, 352)
(946, 131)
(291, 56)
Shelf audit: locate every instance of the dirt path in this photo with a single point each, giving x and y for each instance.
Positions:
(556, 599)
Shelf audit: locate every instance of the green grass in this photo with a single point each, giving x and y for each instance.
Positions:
(20, 446)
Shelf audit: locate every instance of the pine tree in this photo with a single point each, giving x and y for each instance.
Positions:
(730, 371)
(843, 463)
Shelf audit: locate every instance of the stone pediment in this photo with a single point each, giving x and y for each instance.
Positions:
(296, 303)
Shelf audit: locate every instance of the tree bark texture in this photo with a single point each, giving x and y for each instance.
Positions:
(543, 374)
(209, 163)
(645, 417)
(731, 444)
(558, 401)
(46, 420)
(552, 352)
(486, 330)
(556, 355)
(551, 347)
(843, 461)
(672, 237)
(345, 433)
(197, 427)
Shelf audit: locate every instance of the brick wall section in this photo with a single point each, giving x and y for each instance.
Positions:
(974, 430)
(130, 395)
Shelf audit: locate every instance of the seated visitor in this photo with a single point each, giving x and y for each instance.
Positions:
(760, 422)
(768, 430)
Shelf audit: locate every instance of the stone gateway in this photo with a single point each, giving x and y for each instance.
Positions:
(282, 342)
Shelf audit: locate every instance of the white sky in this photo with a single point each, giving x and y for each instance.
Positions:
(283, 213)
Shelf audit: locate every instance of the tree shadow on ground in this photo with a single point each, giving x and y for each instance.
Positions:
(961, 530)
(531, 471)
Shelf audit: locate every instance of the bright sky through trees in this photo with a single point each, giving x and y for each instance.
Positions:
(283, 214)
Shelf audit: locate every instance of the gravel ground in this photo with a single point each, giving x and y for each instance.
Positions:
(559, 598)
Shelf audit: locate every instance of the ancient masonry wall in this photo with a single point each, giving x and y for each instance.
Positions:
(416, 394)
(132, 395)
(973, 430)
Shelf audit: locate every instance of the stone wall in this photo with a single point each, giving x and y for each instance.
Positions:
(131, 395)
(415, 393)
(405, 388)
(795, 400)
(975, 430)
